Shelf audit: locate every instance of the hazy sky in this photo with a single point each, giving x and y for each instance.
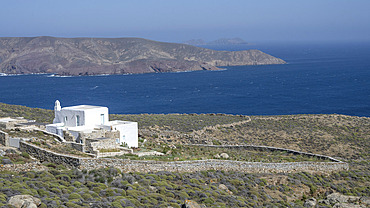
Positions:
(177, 21)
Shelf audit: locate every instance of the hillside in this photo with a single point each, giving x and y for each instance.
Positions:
(340, 136)
(344, 137)
(89, 56)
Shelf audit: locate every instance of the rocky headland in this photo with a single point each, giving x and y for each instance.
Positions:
(94, 56)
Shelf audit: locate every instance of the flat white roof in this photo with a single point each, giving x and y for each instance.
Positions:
(83, 107)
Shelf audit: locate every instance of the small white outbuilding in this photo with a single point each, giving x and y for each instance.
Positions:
(87, 118)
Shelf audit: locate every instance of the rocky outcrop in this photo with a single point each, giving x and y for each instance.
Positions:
(89, 56)
(338, 200)
(24, 201)
(310, 202)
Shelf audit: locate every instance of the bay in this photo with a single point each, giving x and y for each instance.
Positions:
(319, 78)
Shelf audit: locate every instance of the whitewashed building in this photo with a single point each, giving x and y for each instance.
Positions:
(85, 119)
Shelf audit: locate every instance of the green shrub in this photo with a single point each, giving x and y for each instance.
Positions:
(116, 204)
(26, 192)
(119, 198)
(95, 195)
(74, 196)
(71, 188)
(42, 192)
(208, 201)
(236, 182)
(135, 193)
(97, 189)
(3, 197)
(43, 205)
(77, 184)
(193, 180)
(123, 193)
(109, 192)
(56, 190)
(183, 195)
(61, 167)
(66, 191)
(169, 194)
(174, 205)
(71, 204)
(25, 155)
(86, 196)
(63, 177)
(216, 142)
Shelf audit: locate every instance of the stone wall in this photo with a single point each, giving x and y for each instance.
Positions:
(4, 138)
(266, 148)
(126, 165)
(94, 145)
(68, 136)
(203, 165)
(77, 146)
(122, 151)
(34, 166)
(48, 156)
(97, 133)
(112, 134)
(106, 143)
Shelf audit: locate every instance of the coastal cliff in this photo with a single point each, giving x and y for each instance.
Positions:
(93, 56)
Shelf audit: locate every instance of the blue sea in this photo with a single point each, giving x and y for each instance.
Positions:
(319, 78)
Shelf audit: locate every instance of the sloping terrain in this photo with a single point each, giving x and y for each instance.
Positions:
(346, 137)
(89, 56)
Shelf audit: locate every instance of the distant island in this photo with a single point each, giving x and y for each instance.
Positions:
(219, 42)
(94, 56)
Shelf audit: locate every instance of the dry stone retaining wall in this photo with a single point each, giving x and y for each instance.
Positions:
(78, 146)
(49, 156)
(202, 165)
(34, 166)
(127, 165)
(266, 148)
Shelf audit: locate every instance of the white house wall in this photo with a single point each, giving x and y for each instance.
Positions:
(128, 134)
(71, 117)
(55, 128)
(93, 116)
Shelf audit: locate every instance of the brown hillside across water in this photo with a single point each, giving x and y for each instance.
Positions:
(93, 56)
